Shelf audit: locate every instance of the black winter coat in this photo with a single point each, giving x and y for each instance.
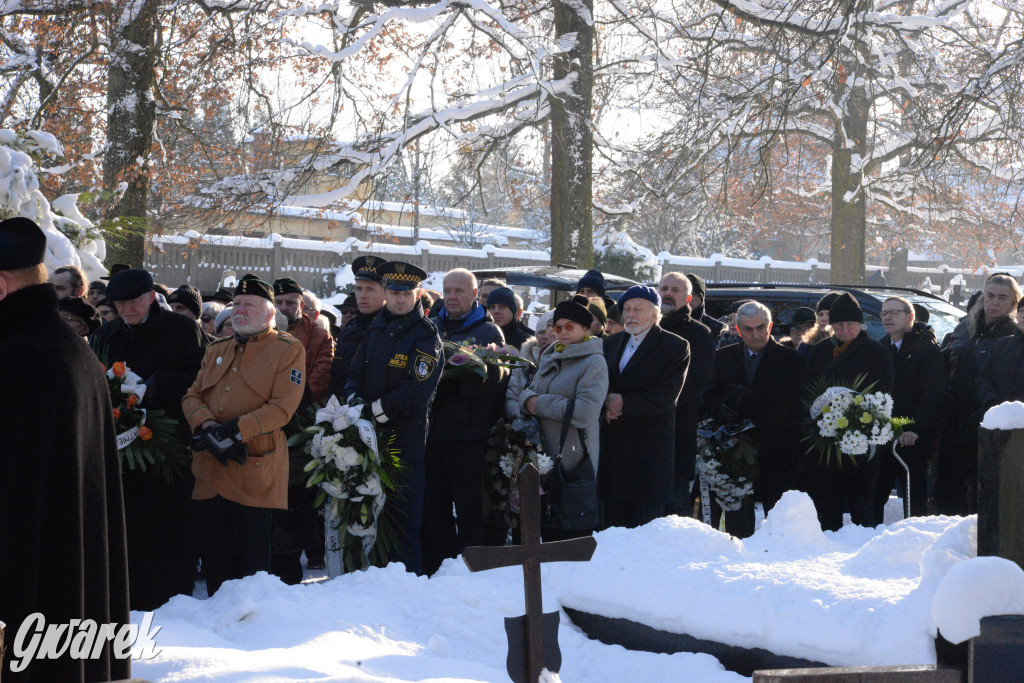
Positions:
(714, 324)
(1001, 375)
(864, 356)
(699, 373)
(772, 401)
(919, 380)
(166, 351)
(965, 354)
(349, 341)
(638, 448)
(400, 365)
(466, 409)
(516, 334)
(62, 533)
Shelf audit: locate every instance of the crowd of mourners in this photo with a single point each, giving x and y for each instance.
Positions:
(621, 383)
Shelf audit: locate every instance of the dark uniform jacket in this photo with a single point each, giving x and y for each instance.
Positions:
(1001, 376)
(400, 365)
(918, 388)
(259, 382)
(772, 401)
(466, 409)
(62, 534)
(351, 338)
(702, 365)
(638, 448)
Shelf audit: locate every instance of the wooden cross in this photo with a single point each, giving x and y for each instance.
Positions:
(536, 630)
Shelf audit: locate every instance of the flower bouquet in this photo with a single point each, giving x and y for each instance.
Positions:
(465, 360)
(356, 470)
(850, 421)
(145, 438)
(513, 450)
(727, 461)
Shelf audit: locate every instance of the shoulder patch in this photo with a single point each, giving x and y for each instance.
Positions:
(423, 365)
(295, 377)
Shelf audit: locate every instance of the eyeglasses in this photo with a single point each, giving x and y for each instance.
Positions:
(890, 314)
(568, 327)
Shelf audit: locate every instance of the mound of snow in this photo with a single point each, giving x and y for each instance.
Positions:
(980, 587)
(1008, 415)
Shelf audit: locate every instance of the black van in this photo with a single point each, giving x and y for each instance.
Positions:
(782, 300)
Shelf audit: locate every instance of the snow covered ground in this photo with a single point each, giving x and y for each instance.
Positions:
(856, 596)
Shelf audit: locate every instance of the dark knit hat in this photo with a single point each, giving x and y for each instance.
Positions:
(504, 296)
(700, 288)
(22, 244)
(592, 279)
(98, 285)
(845, 309)
(574, 309)
(79, 307)
(640, 292)
(129, 284)
(250, 284)
(286, 285)
(189, 297)
(825, 302)
(349, 302)
(598, 309)
(614, 313)
(803, 315)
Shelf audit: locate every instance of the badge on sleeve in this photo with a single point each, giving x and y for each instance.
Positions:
(296, 377)
(423, 366)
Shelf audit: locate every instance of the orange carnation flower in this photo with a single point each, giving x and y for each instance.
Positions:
(117, 413)
(145, 433)
(132, 400)
(118, 369)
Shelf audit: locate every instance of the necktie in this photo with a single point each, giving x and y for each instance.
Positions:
(750, 365)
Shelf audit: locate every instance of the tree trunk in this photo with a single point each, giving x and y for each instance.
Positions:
(131, 116)
(849, 202)
(572, 142)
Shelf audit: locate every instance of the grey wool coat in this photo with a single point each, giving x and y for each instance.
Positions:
(578, 372)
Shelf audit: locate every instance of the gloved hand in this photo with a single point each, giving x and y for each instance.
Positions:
(224, 442)
(726, 414)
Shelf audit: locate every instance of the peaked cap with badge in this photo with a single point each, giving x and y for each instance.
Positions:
(250, 284)
(286, 285)
(368, 267)
(400, 276)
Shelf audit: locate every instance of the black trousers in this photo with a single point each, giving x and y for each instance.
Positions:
(834, 489)
(453, 472)
(630, 513)
(235, 540)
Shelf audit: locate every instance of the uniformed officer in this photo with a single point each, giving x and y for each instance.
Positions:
(248, 388)
(396, 372)
(370, 302)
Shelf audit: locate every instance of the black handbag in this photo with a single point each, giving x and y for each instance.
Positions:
(571, 497)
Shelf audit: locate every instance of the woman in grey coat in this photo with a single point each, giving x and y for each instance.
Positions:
(572, 367)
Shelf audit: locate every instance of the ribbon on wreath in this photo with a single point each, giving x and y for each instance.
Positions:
(125, 439)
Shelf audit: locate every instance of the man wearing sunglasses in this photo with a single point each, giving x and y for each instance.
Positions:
(646, 370)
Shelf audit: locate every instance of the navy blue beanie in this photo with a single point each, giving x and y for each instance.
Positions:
(504, 296)
(592, 279)
(640, 292)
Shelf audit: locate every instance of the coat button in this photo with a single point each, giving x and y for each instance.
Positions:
(227, 388)
(258, 463)
(234, 369)
(220, 410)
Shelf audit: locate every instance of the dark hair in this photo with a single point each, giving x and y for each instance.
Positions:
(78, 279)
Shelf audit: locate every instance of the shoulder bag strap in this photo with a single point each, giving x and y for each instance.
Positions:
(566, 423)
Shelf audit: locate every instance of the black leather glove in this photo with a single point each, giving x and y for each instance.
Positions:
(224, 442)
(726, 414)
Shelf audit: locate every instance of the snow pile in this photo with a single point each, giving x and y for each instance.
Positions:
(1008, 415)
(980, 587)
(853, 597)
(63, 223)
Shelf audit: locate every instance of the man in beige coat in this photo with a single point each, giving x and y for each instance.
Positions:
(248, 389)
